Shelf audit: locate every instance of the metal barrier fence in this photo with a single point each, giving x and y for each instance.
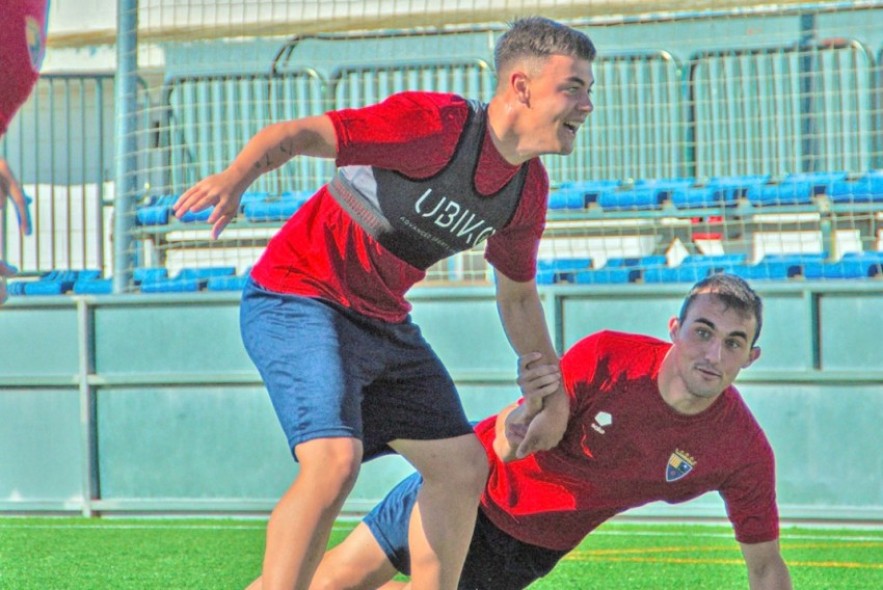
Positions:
(753, 111)
(60, 146)
(783, 109)
(209, 118)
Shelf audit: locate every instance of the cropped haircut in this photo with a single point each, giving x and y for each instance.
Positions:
(733, 292)
(539, 37)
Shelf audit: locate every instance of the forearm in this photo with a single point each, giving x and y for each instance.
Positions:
(766, 568)
(276, 144)
(525, 325)
(503, 447)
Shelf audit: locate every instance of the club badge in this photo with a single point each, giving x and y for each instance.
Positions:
(679, 465)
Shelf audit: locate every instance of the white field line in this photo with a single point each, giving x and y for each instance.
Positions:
(10, 524)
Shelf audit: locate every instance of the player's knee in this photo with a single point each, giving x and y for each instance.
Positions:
(333, 466)
(466, 474)
(475, 474)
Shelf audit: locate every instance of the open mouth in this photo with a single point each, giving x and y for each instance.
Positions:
(572, 127)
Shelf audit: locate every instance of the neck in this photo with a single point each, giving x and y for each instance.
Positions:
(501, 126)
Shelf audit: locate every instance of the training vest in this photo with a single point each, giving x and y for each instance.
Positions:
(422, 221)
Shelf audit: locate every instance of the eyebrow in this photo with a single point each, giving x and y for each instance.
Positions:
(581, 81)
(710, 324)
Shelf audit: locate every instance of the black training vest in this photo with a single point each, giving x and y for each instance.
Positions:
(423, 221)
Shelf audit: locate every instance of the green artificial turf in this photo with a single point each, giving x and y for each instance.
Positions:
(120, 554)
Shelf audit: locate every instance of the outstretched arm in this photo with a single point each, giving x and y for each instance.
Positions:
(547, 408)
(270, 147)
(766, 568)
(9, 187)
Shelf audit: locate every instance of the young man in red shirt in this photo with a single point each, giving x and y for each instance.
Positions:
(649, 421)
(22, 46)
(420, 177)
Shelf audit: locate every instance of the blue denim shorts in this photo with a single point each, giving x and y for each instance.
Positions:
(495, 559)
(331, 373)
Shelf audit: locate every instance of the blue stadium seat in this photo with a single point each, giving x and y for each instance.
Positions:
(560, 270)
(580, 194)
(678, 274)
(57, 282)
(146, 274)
(188, 280)
(93, 286)
(790, 264)
(275, 208)
(853, 265)
(228, 283)
(197, 216)
(16, 288)
(702, 197)
(714, 260)
(607, 275)
(784, 193)
(821, 181)
(99, 286)
(736, 187)
(760, 272)
(637, 261)
(157, 211)
(866, 189)
(635, 199)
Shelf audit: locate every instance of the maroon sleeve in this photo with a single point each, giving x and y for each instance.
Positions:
(513, 249)
(414, 133)
(750, 494)
(22, 47)
(578, 368)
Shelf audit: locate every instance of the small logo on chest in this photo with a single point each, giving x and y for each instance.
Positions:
(680, 463)
(602, 419)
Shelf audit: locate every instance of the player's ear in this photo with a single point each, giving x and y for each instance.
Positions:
(753, 356)
(673, 327)
(520, 85)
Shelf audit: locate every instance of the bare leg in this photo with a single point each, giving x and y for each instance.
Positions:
(358, 563)
(300, 525)
(454, 474)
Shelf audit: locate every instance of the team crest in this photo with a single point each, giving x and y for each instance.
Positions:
(679, 465)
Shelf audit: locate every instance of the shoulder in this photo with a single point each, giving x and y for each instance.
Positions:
(444, 103)
(746, 437)
(615, 340)
(619, 351)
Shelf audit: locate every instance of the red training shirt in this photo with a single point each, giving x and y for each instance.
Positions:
(624, 447)
(322, 252)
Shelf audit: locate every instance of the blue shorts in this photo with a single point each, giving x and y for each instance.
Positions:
(495, 559)
(331, 373)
